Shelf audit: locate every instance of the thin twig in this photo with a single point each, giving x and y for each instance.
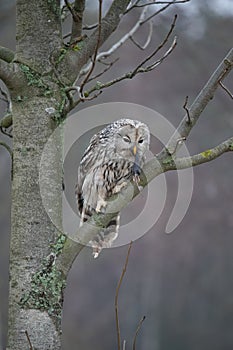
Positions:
(29, 340)
(95, 52)
(204, 97)
(72, 11)
(156, 3)
(148, 40)
(137, 331)
(109, 65)
(155, 166)
(226, 89)
(116, 297)
(186, 109)
(119, 43)
(159, 47)
(90, 27)
(139, 69)
(179, 142)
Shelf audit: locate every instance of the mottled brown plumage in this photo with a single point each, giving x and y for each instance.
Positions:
(114, 156)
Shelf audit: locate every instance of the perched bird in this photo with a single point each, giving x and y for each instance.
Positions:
(114, 157)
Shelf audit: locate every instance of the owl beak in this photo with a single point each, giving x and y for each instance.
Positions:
(134, 150)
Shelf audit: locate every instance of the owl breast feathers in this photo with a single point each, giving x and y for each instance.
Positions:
(114, 157)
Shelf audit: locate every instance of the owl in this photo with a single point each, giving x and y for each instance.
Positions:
(114, 157)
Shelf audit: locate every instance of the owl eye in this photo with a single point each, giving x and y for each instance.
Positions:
(126, 139)
(141, 141)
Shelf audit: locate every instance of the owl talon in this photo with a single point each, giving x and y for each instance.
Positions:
(100, 205)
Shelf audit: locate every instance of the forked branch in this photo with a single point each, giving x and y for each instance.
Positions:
(76, 10)
(142, 67)
(138, 5)
(201, 101)
(164, 161)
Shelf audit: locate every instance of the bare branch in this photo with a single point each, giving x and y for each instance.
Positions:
(139, 69)
(90, 27)
(137, 5)
(95, 52)
(29, 340)
(117, 295)
(161, 163)
(108, 66)
(137, 331)
(148, 40)
(118, 44)
(77, 14)
(6, 54)
(152, 169)
(226, 89)
(158, 49)
(71, 10)
(205, 156)
(201, 101)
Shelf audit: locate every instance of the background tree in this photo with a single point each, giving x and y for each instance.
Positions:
(40, 78)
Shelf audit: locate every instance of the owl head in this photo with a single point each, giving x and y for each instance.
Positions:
(131, 140)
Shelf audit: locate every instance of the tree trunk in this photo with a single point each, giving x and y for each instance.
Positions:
(32, 230)
(36, 103)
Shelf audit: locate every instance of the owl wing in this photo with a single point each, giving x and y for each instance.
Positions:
(87, 163)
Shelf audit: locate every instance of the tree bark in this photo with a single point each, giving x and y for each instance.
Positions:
(36, 108)
(32, 230)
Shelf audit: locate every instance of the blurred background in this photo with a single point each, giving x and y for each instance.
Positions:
(181, 282)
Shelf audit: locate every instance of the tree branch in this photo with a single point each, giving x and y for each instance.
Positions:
(73, 61)
(117, 295)
(137, 331)
(129, 75)
(119, 43)
(205, 156)
(164, 161)
(226, 89)
(77, 11)
(137, 5)
(85, 80)
(201, 101)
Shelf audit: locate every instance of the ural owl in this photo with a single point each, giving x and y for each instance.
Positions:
(115, 156)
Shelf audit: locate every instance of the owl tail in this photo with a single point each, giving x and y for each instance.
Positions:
(105, 238)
